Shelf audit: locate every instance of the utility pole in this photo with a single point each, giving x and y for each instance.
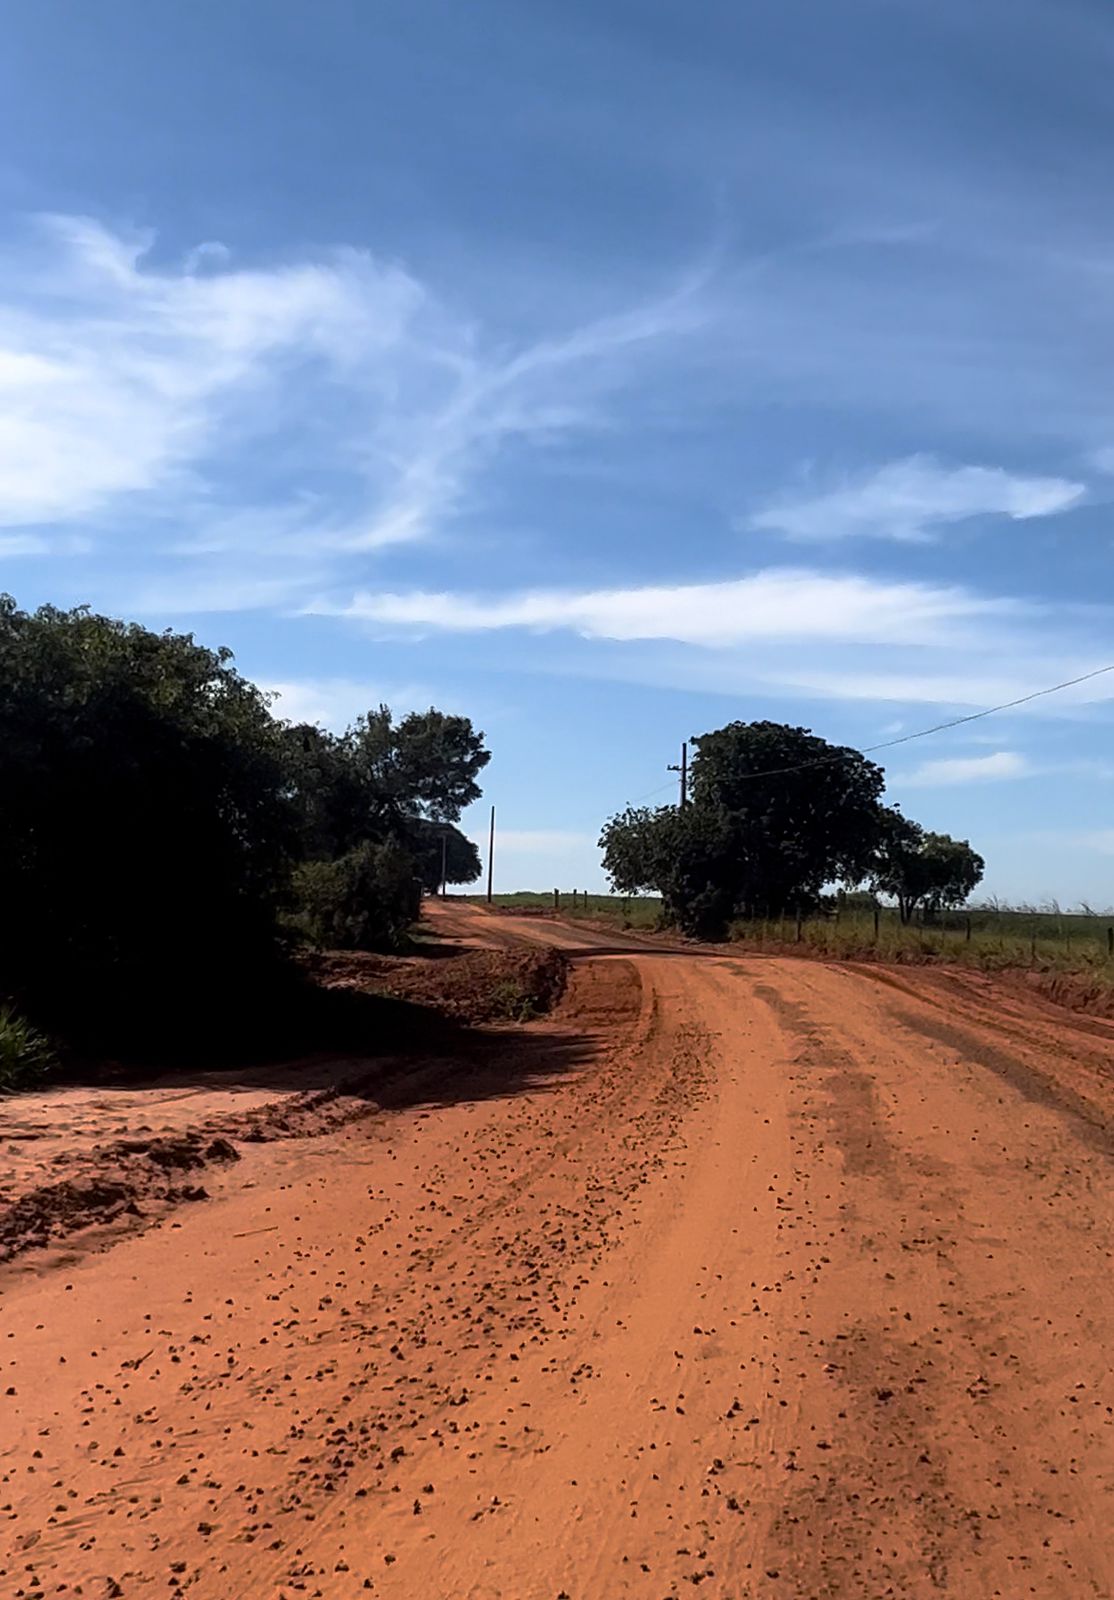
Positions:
(491, 855)
(444, 864)
(683, 769)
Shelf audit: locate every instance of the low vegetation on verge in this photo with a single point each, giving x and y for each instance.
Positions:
(26, 1055)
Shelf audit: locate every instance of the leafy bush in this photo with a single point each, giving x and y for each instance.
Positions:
(153, 811)
(25, 1055)
(144, 819)
(366, 900)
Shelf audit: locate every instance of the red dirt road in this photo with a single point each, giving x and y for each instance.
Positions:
(752, 1277)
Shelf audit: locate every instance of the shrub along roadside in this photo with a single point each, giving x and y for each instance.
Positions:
(164, 839)
(26, 1056)
(367, 900)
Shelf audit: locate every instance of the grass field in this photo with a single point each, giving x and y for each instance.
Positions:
(987, 937)
(625, 911)
(990, 939)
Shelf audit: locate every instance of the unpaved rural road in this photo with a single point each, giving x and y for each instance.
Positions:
(737, 1276)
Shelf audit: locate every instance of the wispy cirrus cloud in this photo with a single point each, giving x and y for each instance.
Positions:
(269, 423)
(913, 499)
(119, 378)
(794, 634)
(943, 772)
(335, 703)
(773, 604)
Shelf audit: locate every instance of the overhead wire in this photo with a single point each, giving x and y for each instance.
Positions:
(921, 733)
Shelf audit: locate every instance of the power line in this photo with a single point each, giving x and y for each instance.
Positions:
(922, 733)
(1007, 705)
(650, 792)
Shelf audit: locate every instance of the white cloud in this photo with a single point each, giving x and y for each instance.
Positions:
(337, 702)
(773, 604)
(965, 769)
(22, 544)
(206, 395)
(912, 498)
(1100, 839)
(116, 377)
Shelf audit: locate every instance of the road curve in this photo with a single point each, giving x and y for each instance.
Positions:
(752, 1277)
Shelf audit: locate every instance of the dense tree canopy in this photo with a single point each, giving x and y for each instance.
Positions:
(918, 868)
(686, 856)
(776, 816)
(800, 812)
(143, 816)
(160, 828)
(379, 779)
(461, 858)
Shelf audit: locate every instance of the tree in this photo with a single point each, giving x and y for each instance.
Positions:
(144, 823)
(802, 813)
(378, 779)
(684, 855)
(424, 766)
(379, 788)
(919, 868)
(461, 858)
(776, 814)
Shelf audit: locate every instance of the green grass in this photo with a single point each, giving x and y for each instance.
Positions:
(1000, 937)
(25, 1055)
(622, 911)
(990, 940)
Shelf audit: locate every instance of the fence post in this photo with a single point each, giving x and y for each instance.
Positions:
(876, 924)
(968, 930)
(556, 900)
(1033, 948)
(798, 925)
(1110, 941)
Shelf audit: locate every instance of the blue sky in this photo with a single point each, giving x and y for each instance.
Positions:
(607, 371)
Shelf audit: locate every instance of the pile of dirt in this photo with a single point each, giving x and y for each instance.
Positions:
(114, 1181)
(470, 986)
(130, 1181)
(1074, 991)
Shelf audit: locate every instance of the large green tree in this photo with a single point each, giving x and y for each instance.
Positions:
(145, 830)
(918, 868)
(776, 814)
(683, 855)
(802, 813)
(379, 779)
(460, 857)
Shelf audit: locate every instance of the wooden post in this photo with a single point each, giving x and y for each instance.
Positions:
(1110, 941)
(798, 926)
(490, 855)
(876, 924)
(556, 900)
(968, 935)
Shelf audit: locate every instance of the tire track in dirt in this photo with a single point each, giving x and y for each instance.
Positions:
(979, 1460)
(766, 1293)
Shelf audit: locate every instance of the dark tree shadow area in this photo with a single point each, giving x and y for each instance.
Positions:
(299, 1037)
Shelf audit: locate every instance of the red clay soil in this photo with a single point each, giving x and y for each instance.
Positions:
(741, 1275)
(469, 985)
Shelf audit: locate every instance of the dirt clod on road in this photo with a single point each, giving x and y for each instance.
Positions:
(739, 1276)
